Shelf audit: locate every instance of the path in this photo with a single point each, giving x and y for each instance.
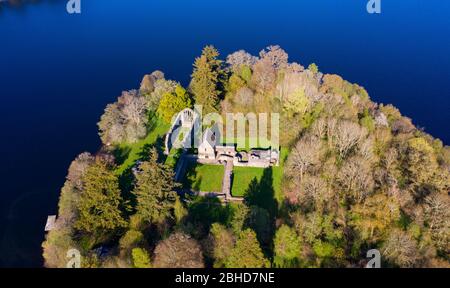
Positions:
(226, 183)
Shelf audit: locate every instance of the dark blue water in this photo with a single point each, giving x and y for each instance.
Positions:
(58, 71)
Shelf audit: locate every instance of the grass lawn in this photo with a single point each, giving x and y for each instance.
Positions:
(173, 157)
(243, 176)
(128, 154)
(204, 178)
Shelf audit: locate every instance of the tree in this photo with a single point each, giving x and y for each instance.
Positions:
(78, 168)
(162, 86)
(401, 249)
(125, 120)
(134, 111)
(247, 253)
(178, 251)
(173, 103)
(304, 157)
(155, 190)
(313, 68)
(355, 179)
(286, 247)
(180, 212)
(420, 155)
(220, 244)
(240, 214)
(130, 240)
(314, 190)
(207, 80)
(239, 59)
(148, 82)
(437, 216)
(140, 258)
(372, 218)
(244, 98)
(346, 136)
(100, 201)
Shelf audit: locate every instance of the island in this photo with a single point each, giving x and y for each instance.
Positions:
(177, 185)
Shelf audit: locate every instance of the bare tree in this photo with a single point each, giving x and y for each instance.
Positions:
(346, 136)
(319, 128)
(437, 215)
(315, 190)
(133, 107)
(240, 58)
(178, 251)
(355, 177)
(149, 80)
(401, 249)
(304, 156)
(276, 56)
(78, 167)
(244, 97)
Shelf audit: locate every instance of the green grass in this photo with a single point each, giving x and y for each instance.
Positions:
(173, 157)
(243, 176)
(129, 153)
(204, 178)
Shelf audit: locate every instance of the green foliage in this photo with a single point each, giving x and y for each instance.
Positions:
(100, 201)
(207, 80)
(155, 190)
(297, 103)
(372, 218)
(367, 121)
(222, 244)
(349, 186)
(287, 247)
(131, 239)
(246, 73)
(312, 115)
(247, 253)
(173, 103)
(180, 212)
(235, 83)
(240, 213)
(313, 68)
(140, 258)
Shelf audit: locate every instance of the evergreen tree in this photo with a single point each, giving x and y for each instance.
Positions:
(155, 190)
(100, 200)
(207, 80)
(247, 253)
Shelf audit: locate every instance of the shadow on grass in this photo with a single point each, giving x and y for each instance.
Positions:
(121, 154)
(190, 181)
(260, 197)
(144, 154)
(262, 193)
